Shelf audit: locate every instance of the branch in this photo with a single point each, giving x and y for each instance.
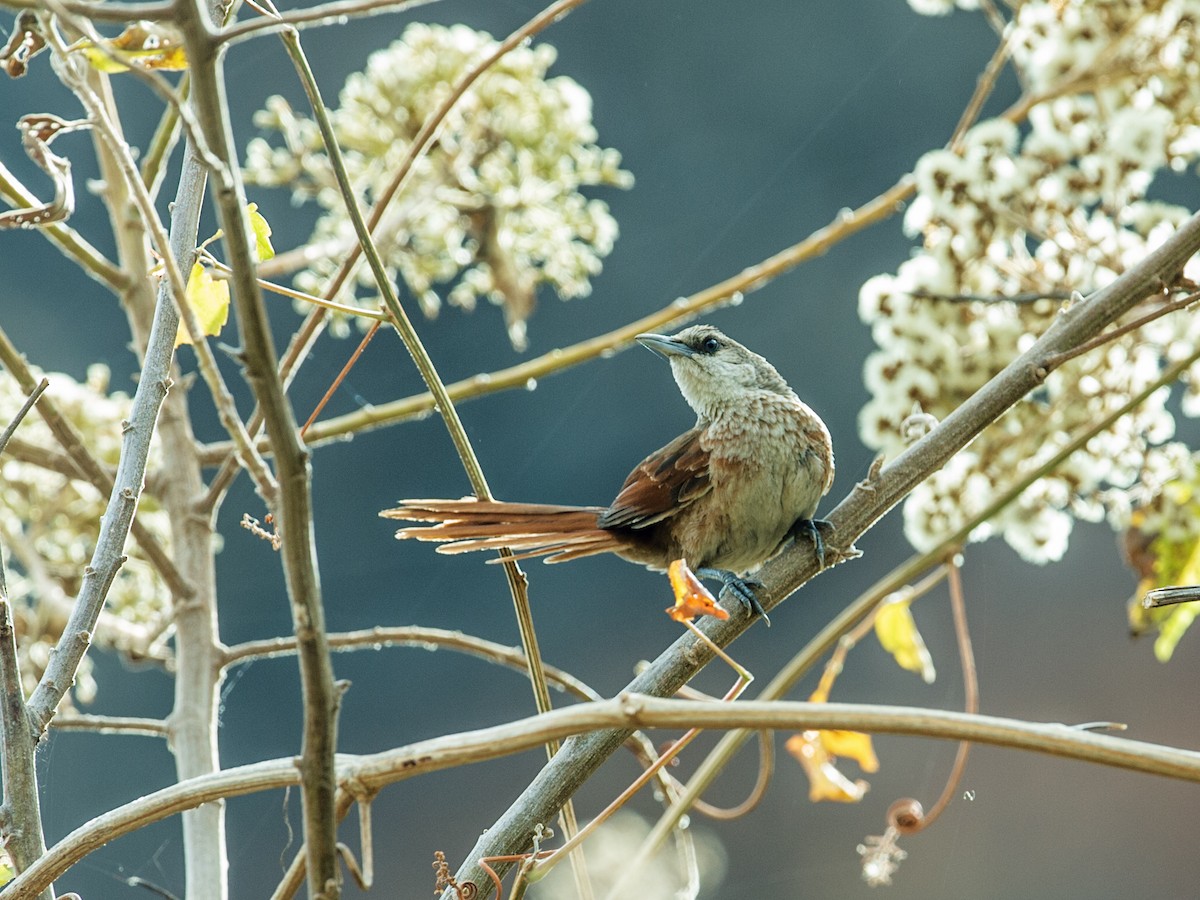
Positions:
(626, 712)
(865, 505)
(94, 473)
(293, 508)
(411, 636)
(324, 14)
(131, 725)
(122, 157)
(12, 427)
(118, 518)
(680, 310)
(103, 12)
(21, 815)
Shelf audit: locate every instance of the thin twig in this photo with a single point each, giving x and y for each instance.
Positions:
(341, 375)
(162, 142)
(984, 85)
(323, 14)
(11, 429)
(293, 294)
(970, 691)
(766, 768)
(1169, 596)
(1026, 297)
(1107, 337)
(411, 636)
(128, 725)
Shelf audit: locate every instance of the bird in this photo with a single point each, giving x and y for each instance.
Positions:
(726, 495)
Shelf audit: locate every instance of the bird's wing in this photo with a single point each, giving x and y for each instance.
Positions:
(663, 483)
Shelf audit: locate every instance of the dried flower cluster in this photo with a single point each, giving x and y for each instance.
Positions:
(49, 523)
(1044, 210)
(493, 210)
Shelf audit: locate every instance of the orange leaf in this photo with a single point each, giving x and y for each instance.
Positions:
(825, 782)
(853, 745)
(691, 597)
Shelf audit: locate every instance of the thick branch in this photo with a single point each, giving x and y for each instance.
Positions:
(628, 711)
(865, 505)
(293, 508)
(21, 814)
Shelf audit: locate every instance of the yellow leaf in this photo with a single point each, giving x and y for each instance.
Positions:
(209, 300)
(262, 233)
(147, 45)
(898, 635)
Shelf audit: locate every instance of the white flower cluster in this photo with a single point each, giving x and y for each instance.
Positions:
(49, 523)
(941, 7)
(1056, 208)
(493, 209)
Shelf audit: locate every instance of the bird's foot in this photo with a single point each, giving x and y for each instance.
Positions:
(813, 530)
(741, 588)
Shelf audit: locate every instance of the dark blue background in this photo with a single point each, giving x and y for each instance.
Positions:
(747, 125)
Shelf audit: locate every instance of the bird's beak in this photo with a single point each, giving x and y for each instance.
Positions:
(664, 346)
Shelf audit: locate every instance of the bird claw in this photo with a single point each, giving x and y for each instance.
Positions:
(812, 529)
(741, 588)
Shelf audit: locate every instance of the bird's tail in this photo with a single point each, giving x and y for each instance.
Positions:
(558, 533)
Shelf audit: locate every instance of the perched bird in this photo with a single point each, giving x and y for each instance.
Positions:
(726, 495)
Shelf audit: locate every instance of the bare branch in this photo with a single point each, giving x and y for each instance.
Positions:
(1168, 596)
(22, 412)
(21, 815)
(411, 636)
(323, 14)
(293, 507)
(625, 712)
(130, 725)
(104, 12)
(99, 477)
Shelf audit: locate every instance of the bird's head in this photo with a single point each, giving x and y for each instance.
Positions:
(714, 372)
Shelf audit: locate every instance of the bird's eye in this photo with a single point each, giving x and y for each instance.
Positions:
(710, 345)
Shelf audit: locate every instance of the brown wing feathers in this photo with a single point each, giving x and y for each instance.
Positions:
(526, 529)
(662, 484)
